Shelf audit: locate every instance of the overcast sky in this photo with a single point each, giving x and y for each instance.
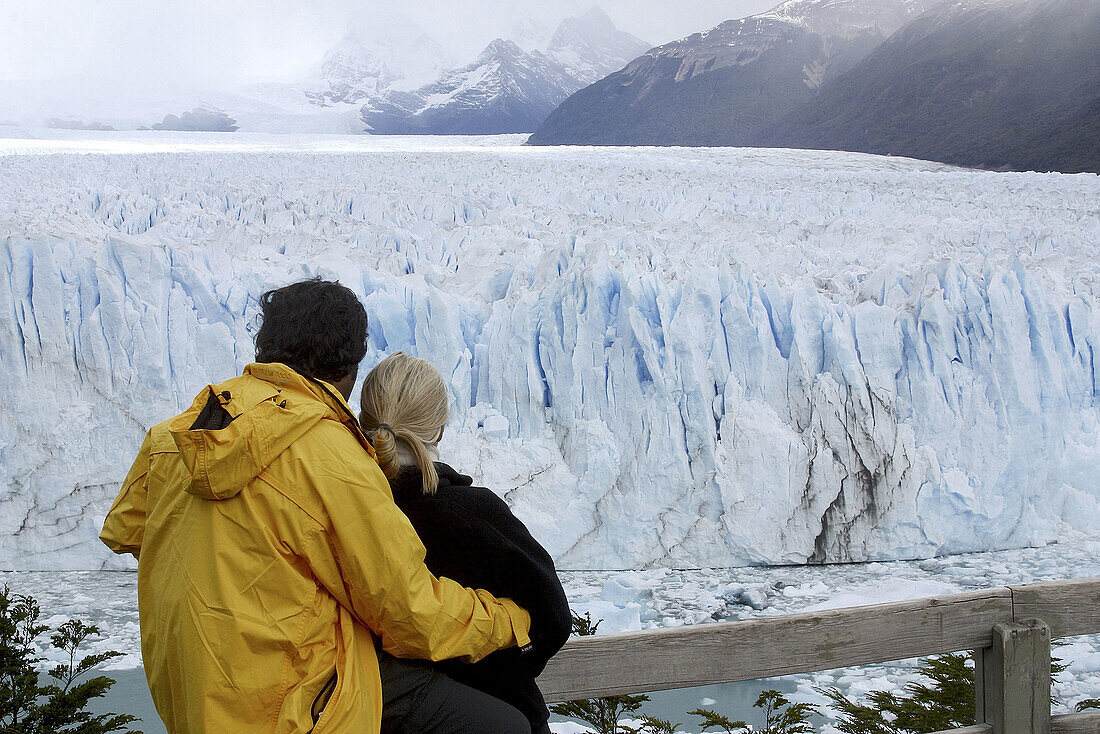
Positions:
(223, 43)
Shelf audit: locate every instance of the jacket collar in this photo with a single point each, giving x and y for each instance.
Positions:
(409, 478)
(269, 407)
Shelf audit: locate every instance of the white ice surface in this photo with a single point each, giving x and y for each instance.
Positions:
(659, 356)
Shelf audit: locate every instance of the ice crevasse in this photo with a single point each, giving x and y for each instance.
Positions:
(637, 405)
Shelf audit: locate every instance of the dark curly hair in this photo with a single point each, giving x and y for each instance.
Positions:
(316, 327)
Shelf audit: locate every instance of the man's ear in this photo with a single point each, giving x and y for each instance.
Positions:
(347, 383)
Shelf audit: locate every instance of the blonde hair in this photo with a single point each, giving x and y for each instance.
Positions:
(404, 399)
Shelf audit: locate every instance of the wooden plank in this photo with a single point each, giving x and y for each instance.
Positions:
(1086, 722)
(1012, 679)
(658, 660)
(1082, 723)
(975, 729)
(1069, 607)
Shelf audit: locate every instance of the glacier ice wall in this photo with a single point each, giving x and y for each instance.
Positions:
(659, 357)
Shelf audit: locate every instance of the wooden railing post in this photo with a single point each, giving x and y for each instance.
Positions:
(1012, 679)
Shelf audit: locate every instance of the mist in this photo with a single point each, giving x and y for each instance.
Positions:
(132, 45)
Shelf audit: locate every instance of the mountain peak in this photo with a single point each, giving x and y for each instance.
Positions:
(500, 47)
(592, 47)
(507, 88)
(376, 56)
(595, 15)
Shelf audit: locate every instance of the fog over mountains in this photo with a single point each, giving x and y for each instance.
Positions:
(508, 89)
(386, 74)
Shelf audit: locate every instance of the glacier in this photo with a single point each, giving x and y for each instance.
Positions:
(660, 357)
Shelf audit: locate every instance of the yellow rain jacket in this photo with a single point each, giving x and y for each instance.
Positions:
(273, 561)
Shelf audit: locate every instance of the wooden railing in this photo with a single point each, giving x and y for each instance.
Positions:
(1008, 628)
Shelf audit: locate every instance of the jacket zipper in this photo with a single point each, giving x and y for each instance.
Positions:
(322, 699)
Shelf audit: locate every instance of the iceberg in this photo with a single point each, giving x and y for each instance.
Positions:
(658, 357)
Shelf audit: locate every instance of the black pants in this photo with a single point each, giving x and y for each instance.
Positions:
(417, 698)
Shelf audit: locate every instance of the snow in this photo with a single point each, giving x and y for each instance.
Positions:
(659, 357)
(464, 81)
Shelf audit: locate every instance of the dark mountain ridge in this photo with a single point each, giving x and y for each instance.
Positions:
(724, 86)
(1006, 84)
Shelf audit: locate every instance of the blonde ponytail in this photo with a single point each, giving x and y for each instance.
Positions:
(404, 400)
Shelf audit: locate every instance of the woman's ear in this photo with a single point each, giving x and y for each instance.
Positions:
(440, 437)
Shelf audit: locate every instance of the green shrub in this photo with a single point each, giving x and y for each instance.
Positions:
(29, 707)
(780, 716)
(945, 703)
(712, 720)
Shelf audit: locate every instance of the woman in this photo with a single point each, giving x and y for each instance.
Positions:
(472, 537)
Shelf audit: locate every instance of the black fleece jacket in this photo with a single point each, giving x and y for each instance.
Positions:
(472, 537)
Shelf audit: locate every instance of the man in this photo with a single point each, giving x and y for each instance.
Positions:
(272, 559)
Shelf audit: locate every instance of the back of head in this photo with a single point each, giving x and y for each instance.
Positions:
(316, 327)
(404, 399)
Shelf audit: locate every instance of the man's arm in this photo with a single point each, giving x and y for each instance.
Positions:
(124, 527)
(373, 562)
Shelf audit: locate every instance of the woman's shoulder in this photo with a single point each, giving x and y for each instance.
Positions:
(457, 486)
(452, 477)
(453, 487)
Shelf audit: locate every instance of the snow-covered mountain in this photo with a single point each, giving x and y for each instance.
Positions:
(725, 85)
(658, 357)
(372, 59)
(508, 89)
(590, 47)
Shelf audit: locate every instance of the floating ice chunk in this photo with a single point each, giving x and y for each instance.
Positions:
(755, 597)
(615, 618)
(619, 592)
(882, 592)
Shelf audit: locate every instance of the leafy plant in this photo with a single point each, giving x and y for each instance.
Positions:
(947, 702)
(602, 714)
(711, 719)
(29, 707)
(780, 716)
(653, 725)
(584, 626)
(783, 717)
(1056, 667)
(1088, 703)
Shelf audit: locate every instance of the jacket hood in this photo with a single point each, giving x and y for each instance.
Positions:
(234, 430)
